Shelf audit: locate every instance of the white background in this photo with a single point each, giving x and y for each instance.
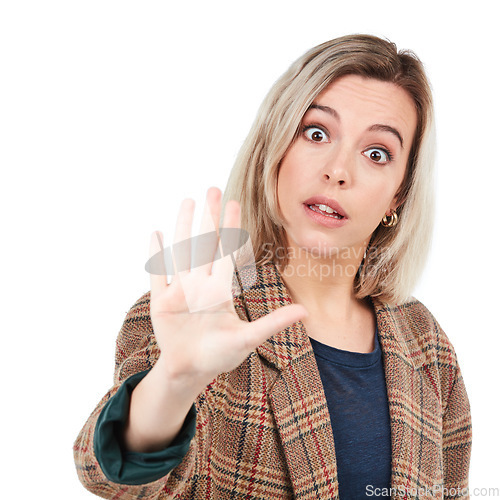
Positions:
(113, 112)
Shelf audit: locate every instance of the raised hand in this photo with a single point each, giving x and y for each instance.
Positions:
(211, 340)
(197, 329)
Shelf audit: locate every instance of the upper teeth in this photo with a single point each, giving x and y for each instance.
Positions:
(326, 209)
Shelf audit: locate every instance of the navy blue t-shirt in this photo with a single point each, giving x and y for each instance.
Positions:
(356, 394)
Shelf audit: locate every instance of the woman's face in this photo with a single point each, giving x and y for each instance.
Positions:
(350, 158)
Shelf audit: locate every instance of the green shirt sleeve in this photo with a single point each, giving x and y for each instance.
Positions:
(125, 467)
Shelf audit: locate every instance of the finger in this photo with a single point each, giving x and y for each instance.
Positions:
(232, 214)
(158, 279)
(181, 249)
(257, 332)
(206, 242)
(211, 214)
(224, 267)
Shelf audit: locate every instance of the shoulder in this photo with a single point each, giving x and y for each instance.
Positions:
(136, 348)
(140, 309)
(412, 311)
(138, 320)
(417, 327)
(415, 334)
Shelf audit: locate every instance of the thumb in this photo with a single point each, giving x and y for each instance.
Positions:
(259, 331)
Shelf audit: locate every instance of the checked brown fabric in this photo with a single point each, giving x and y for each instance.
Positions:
(263, 430)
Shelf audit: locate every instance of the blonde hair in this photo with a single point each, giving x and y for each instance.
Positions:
(395, 256)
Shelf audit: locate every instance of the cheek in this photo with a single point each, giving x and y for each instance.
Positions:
(289, 175)
(296, 170)
(379, 199)
(289, 166)
(381, 189)
(376, 200)
(283, 184)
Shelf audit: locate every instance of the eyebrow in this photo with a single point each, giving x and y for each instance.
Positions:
(378, 127)
(326, 109)
(387, 128)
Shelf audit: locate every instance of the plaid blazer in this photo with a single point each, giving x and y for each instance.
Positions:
(263, 430)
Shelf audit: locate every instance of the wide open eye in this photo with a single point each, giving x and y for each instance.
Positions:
(315, 134)
(378, 155)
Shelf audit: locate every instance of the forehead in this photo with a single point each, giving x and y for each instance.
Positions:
(367, 101)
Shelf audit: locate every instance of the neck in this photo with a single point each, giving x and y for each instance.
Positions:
(324, 285)
(324, 282)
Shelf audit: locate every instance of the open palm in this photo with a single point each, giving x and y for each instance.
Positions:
(196, 326)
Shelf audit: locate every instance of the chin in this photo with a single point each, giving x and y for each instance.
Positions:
(317, 245)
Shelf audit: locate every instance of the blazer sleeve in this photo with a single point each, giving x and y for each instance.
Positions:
(457, 440)
(126, 467)
(136, 352)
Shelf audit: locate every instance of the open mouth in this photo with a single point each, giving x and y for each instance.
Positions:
(326, 210)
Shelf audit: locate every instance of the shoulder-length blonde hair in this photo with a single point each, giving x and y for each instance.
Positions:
(395, 256)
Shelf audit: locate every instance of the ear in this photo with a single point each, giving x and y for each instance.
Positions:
(401, 194)
(397, 201)
(392, 207)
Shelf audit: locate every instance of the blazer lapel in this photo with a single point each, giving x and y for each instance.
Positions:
(297, 397)
(414, 404)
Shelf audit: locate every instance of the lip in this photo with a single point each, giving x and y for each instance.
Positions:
(325, 220)
(323, 200)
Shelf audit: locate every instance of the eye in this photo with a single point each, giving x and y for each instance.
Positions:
(378, 155)
(315, 134)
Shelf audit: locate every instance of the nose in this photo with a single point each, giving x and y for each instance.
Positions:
(336, 177)
(338, 170)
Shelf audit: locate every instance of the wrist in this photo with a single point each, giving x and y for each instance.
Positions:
(183, 385)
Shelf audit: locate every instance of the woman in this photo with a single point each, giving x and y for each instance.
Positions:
(321, 378)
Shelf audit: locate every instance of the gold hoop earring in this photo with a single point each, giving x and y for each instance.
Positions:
(391, 220)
